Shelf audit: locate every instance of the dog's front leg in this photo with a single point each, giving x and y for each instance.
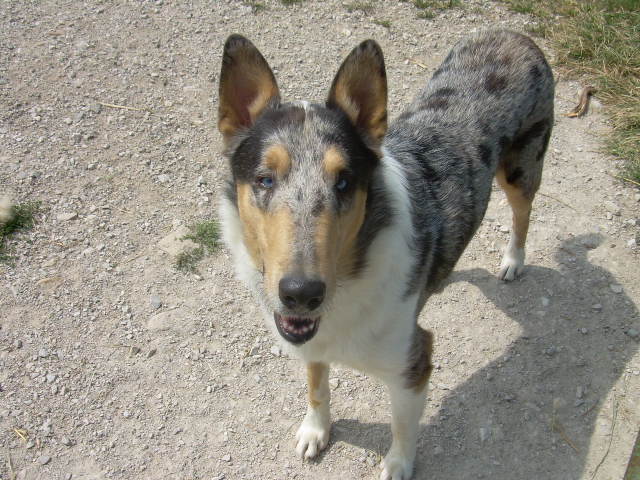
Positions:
(407, 405)
(313, 434)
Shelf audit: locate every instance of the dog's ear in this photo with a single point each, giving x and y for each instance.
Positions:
(247, 86)
(360, 90)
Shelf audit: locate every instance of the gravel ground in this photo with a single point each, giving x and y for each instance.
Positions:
(114, 365)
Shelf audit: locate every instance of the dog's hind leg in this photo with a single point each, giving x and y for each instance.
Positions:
(519, 174)
(313, 434)
(408, 396)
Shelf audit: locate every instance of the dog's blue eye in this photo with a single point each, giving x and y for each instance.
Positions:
(265, 182)
(342, 185)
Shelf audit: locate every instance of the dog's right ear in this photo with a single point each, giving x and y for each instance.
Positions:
(247, 86)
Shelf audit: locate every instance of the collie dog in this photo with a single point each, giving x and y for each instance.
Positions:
(343, 226)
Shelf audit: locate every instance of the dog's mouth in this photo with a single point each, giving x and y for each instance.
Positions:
(296, 330)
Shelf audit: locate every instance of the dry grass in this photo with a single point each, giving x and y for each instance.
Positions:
(599, 41)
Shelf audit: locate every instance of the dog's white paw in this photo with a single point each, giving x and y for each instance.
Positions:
(312, 437)
(396, 467)
(512, 264)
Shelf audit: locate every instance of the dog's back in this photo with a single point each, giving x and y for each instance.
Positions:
(488, 110)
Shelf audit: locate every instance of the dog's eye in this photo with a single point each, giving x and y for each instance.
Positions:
(265, 182)
(342, 184)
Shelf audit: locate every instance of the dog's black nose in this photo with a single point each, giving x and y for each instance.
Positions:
(301, 293)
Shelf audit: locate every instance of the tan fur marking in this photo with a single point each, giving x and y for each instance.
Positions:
(520, 206)
(315, 372)
(419, 366)
(334, 161)
(276, 158)
(336, 239)
(267, 235)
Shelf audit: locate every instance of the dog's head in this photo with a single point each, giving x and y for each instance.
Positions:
(301, 173)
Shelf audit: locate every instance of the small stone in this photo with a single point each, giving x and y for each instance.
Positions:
(44, 459)
(65, 217)
(68, 121)
(484, 434)
(163, 178)
(201, 180)
(17, 344)
(155, 301)
(616, 288)
(334, 383)
(597, 306)
(209, 389)
(579, 392)
(633, 333)
(43, 353)
(545, 301)
(126, 414)
(275, 351)
(51, 377)
(68, 476)
(584, 331)
(151, 353)
(254, 350)
(227, 458)
(66, 441)
(591, 242)
(504, 229)
(631, 243)
(613, 208)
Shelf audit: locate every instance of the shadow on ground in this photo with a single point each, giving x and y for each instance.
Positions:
(500, 423)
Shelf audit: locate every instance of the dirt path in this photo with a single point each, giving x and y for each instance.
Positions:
(531, 377)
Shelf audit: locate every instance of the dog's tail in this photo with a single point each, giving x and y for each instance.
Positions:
(5, 210)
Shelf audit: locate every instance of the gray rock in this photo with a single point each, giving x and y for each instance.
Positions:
(275, 351)
(51, 377)
(65, 217)
(43, 353)
(66, 441)
(44, 459)
(155, 301)
(633, 333)
(616, 288)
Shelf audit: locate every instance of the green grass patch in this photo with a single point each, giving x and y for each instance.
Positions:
(22, 219)
(428, 8)
(599, 42)
(206, 235)
(256, 7)
(290, 2)
(359, 6)
(383, 23)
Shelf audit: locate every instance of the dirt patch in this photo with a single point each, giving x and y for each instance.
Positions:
(108, 113)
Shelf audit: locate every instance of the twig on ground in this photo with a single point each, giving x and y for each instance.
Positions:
(623, 178)
(123, 107)
(583, 105)
(614, 415)
(558, 428)
(559, 201)
(416, 62)
(22, 433)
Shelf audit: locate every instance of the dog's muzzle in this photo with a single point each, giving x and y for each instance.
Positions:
(296, 330)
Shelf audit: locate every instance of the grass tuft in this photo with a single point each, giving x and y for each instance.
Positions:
(428, 7)
(360, 6)
(207, 235)
(290, 2)
(21, 218)
(599, 40)
(383, 23)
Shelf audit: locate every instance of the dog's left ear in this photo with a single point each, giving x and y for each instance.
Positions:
(247, 86)
(360, 90)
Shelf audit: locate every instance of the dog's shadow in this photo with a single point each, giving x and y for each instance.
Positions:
(531, 412)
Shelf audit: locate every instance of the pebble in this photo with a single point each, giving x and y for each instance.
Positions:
(597, 306)
(613, 208)
(51, 377)
(155, 301)
(633, 333)
(44, 459)
(615, 288)
(65, 217)
(334, 383)
(545, 301)
(584, 331)
(151, 353)
(43, 353)
(631, 242)
(201, 180)
(66, 441)
(209, 389)
(275, 351)
(17, 344)
(227, 458)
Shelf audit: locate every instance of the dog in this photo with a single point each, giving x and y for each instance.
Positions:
(343, 226)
